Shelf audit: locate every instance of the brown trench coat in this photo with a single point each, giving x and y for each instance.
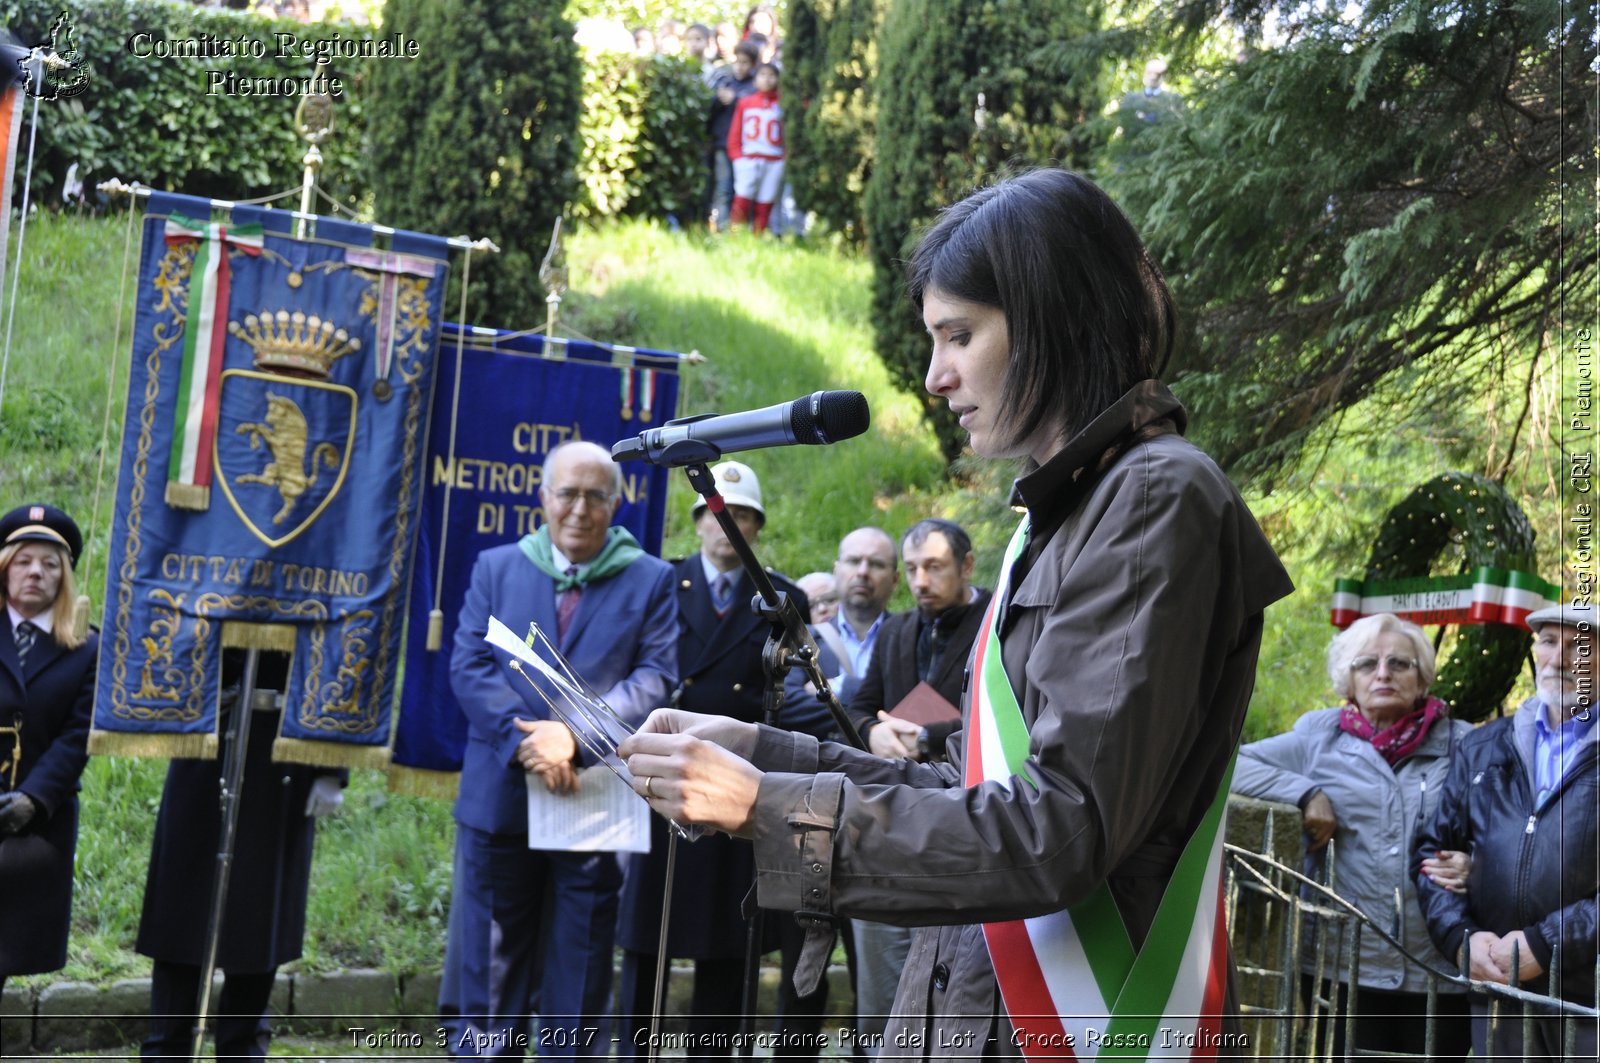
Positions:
(1131, 642)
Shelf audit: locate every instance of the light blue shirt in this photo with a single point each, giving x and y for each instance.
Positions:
(1555, 749)
(859, 646)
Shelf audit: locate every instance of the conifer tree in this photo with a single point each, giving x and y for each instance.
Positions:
(477, 136)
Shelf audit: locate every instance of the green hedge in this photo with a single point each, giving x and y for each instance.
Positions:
(479, 137)
(643, 135)
(150, 119)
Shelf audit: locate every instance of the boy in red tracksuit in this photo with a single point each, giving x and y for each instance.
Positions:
(755, 147)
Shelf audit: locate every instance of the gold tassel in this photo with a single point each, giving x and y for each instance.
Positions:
(149, 744)
(329, 754)
(80, 618)
(188, 496)
(423, 782)
(435, 629)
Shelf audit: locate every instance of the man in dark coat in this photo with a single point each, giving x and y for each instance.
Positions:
(1521, 797)
(264, 921)
(929, 644)
(46, 697)
(719, 659)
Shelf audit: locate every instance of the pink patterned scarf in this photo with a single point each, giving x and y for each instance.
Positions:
(1401, 738)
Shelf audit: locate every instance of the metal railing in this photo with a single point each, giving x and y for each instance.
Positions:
(1287, 928)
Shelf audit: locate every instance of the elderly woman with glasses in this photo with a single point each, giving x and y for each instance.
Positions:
(1365, 774)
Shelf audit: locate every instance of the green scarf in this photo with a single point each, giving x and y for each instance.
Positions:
(620, 551)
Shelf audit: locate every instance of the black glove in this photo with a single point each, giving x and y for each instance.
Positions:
(16, 811)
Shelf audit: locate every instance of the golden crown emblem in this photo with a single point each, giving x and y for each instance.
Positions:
(292, 340)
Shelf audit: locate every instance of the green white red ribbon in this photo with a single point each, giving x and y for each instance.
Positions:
(1072, 982)
(205, 335)
(1483, 596)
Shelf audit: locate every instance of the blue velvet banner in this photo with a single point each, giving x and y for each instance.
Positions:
(519, 398)
(296, 530)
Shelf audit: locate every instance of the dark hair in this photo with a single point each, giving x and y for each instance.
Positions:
(772, 67)
(701, 26)
(1088, 312)
(960, 542)
(761, 9)
(749, 50)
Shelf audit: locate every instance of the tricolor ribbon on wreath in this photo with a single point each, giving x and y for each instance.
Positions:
(1071, 980)
(1484, 596)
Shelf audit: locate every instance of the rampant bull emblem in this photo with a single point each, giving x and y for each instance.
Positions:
(307, 429)
(284, 433)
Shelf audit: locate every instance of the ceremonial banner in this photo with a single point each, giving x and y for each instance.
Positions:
(12, 98)
(1484, 596)
(519, 398)
(271, 476)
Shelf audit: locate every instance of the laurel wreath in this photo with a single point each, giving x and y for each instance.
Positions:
(1472, 513)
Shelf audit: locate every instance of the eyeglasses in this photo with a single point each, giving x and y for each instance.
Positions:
(568, 496)
(1397, 665)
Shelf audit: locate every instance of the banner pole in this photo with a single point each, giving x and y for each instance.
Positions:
(232, 780)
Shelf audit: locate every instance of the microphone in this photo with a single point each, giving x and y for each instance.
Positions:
(816, 419)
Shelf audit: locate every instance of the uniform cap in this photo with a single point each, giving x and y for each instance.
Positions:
(39, 523)
(737, 484)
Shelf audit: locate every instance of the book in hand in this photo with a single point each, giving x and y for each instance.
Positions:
(925, 706)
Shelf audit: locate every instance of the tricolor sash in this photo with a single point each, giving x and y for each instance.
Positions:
(205, 333)
(1072, 983)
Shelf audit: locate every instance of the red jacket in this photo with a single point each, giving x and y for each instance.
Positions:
(757, 127)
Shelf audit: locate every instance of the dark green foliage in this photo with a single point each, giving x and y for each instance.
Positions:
(153, 120)
(479, 137)
(831, 59)
(643, 133)
(1456, 524)
(934, 142)
(673, 142)
(1380, 194)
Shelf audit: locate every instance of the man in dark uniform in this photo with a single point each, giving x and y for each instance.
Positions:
(263, 926)
(719, 661)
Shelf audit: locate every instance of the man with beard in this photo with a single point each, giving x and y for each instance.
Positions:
(926, 645)
(1520, 797)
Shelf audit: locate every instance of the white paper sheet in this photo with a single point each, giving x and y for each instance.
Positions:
(605, 815)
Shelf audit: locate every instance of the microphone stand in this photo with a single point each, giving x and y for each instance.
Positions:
(789, 645)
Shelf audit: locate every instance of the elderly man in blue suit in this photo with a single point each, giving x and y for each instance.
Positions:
(529, 928)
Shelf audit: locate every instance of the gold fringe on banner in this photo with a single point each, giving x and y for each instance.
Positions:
(329, 754)
(148, 744)
(188, 496)
(424, 782)
(243, 635)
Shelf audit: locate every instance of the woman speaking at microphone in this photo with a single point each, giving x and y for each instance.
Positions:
(1065, 863)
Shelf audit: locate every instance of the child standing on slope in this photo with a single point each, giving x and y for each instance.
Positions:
(755, 147)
